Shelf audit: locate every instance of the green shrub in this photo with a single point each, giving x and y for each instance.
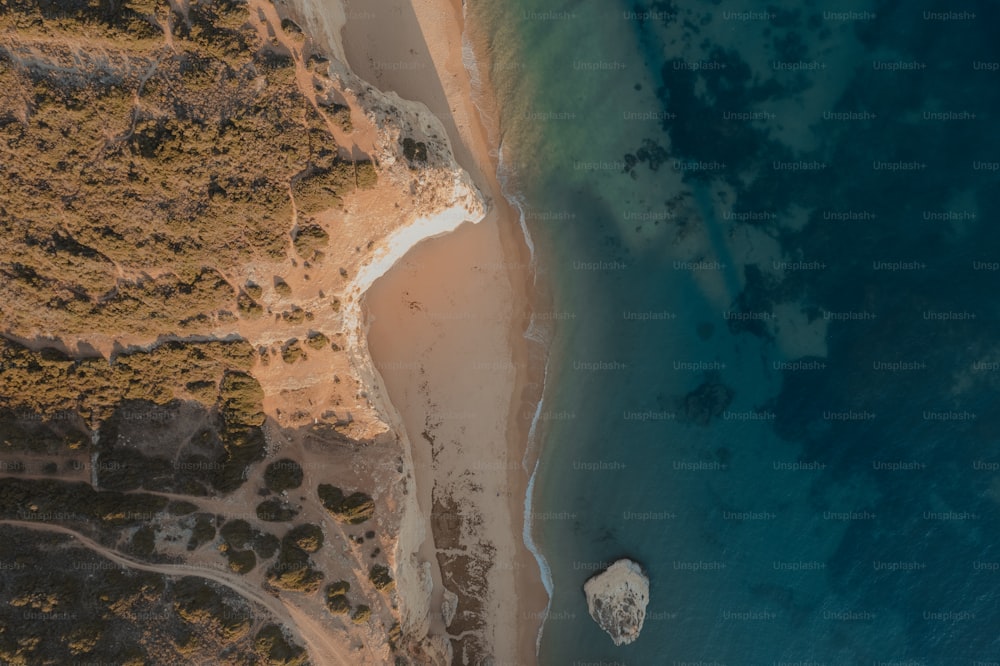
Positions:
(250, 308)
(292, 571)
(202, 530)
(198, 603)
(242, 400)
(243, 447)
(237, 533)
(309, 240)
(143, 541)
(324, 186)
(380, 577)
(254, 290)
(83, 639)
(317, 340)
(338, 605)
(414, 151)
(336, 597)
(353, 509)
(265, 544)
(275, 650)
(360, 614)
(396, 633)
(367, 176)
(307, 537)
(78, 501)
(296, 315)
(292, 351)
(275, 511)
(204, 391)
(282, 288)
(283, 474)
(47, 382)
(341, 115)
(241, 561)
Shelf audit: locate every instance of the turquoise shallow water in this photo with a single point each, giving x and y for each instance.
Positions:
(771, 237)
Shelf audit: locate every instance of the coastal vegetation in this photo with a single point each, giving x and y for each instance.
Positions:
(155, 156)
(283, 474)
(241, 561)
(317, 340)
(237, 533)
(202, 528)
(352, 509)
(75, 504)
(95, 612)
(336, 597)
(307, 537)
(239, 536)
(53, 403)
(380, 577)
(360, 614)
(199, 604)
(138, 176)
(414, 151)
(310, 240)
(292, 351)
(276, 511)
(292, 569)
(275, 649)
(49, 385)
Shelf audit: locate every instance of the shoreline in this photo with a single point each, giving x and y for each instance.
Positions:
(528, 399)
(443, 28)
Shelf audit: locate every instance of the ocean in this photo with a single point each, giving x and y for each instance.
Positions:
(769, 236)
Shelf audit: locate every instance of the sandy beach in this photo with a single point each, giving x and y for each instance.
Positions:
(446, 335)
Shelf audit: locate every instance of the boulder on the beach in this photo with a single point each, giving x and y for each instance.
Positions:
(617, 599)
(449, 605)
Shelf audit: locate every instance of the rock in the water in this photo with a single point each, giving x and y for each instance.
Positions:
(617, 599)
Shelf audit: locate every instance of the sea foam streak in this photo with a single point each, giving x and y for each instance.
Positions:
(529, 540)
(540, 335)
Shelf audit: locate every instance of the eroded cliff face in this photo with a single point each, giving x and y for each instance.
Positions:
(206, 185)
(423, 193)
(617, 599)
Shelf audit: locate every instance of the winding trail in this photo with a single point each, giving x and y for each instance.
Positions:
(321, 649)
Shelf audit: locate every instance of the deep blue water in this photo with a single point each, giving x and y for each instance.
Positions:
(771, 236)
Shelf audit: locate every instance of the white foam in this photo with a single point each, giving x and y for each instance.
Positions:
(529, 541)
(471, 65)
(534, 332)
(543, 564)
(517, 201)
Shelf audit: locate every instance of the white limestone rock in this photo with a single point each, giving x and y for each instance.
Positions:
(617, 599)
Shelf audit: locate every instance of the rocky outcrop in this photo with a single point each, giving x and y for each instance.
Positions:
(449, 606)
(617, 599)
